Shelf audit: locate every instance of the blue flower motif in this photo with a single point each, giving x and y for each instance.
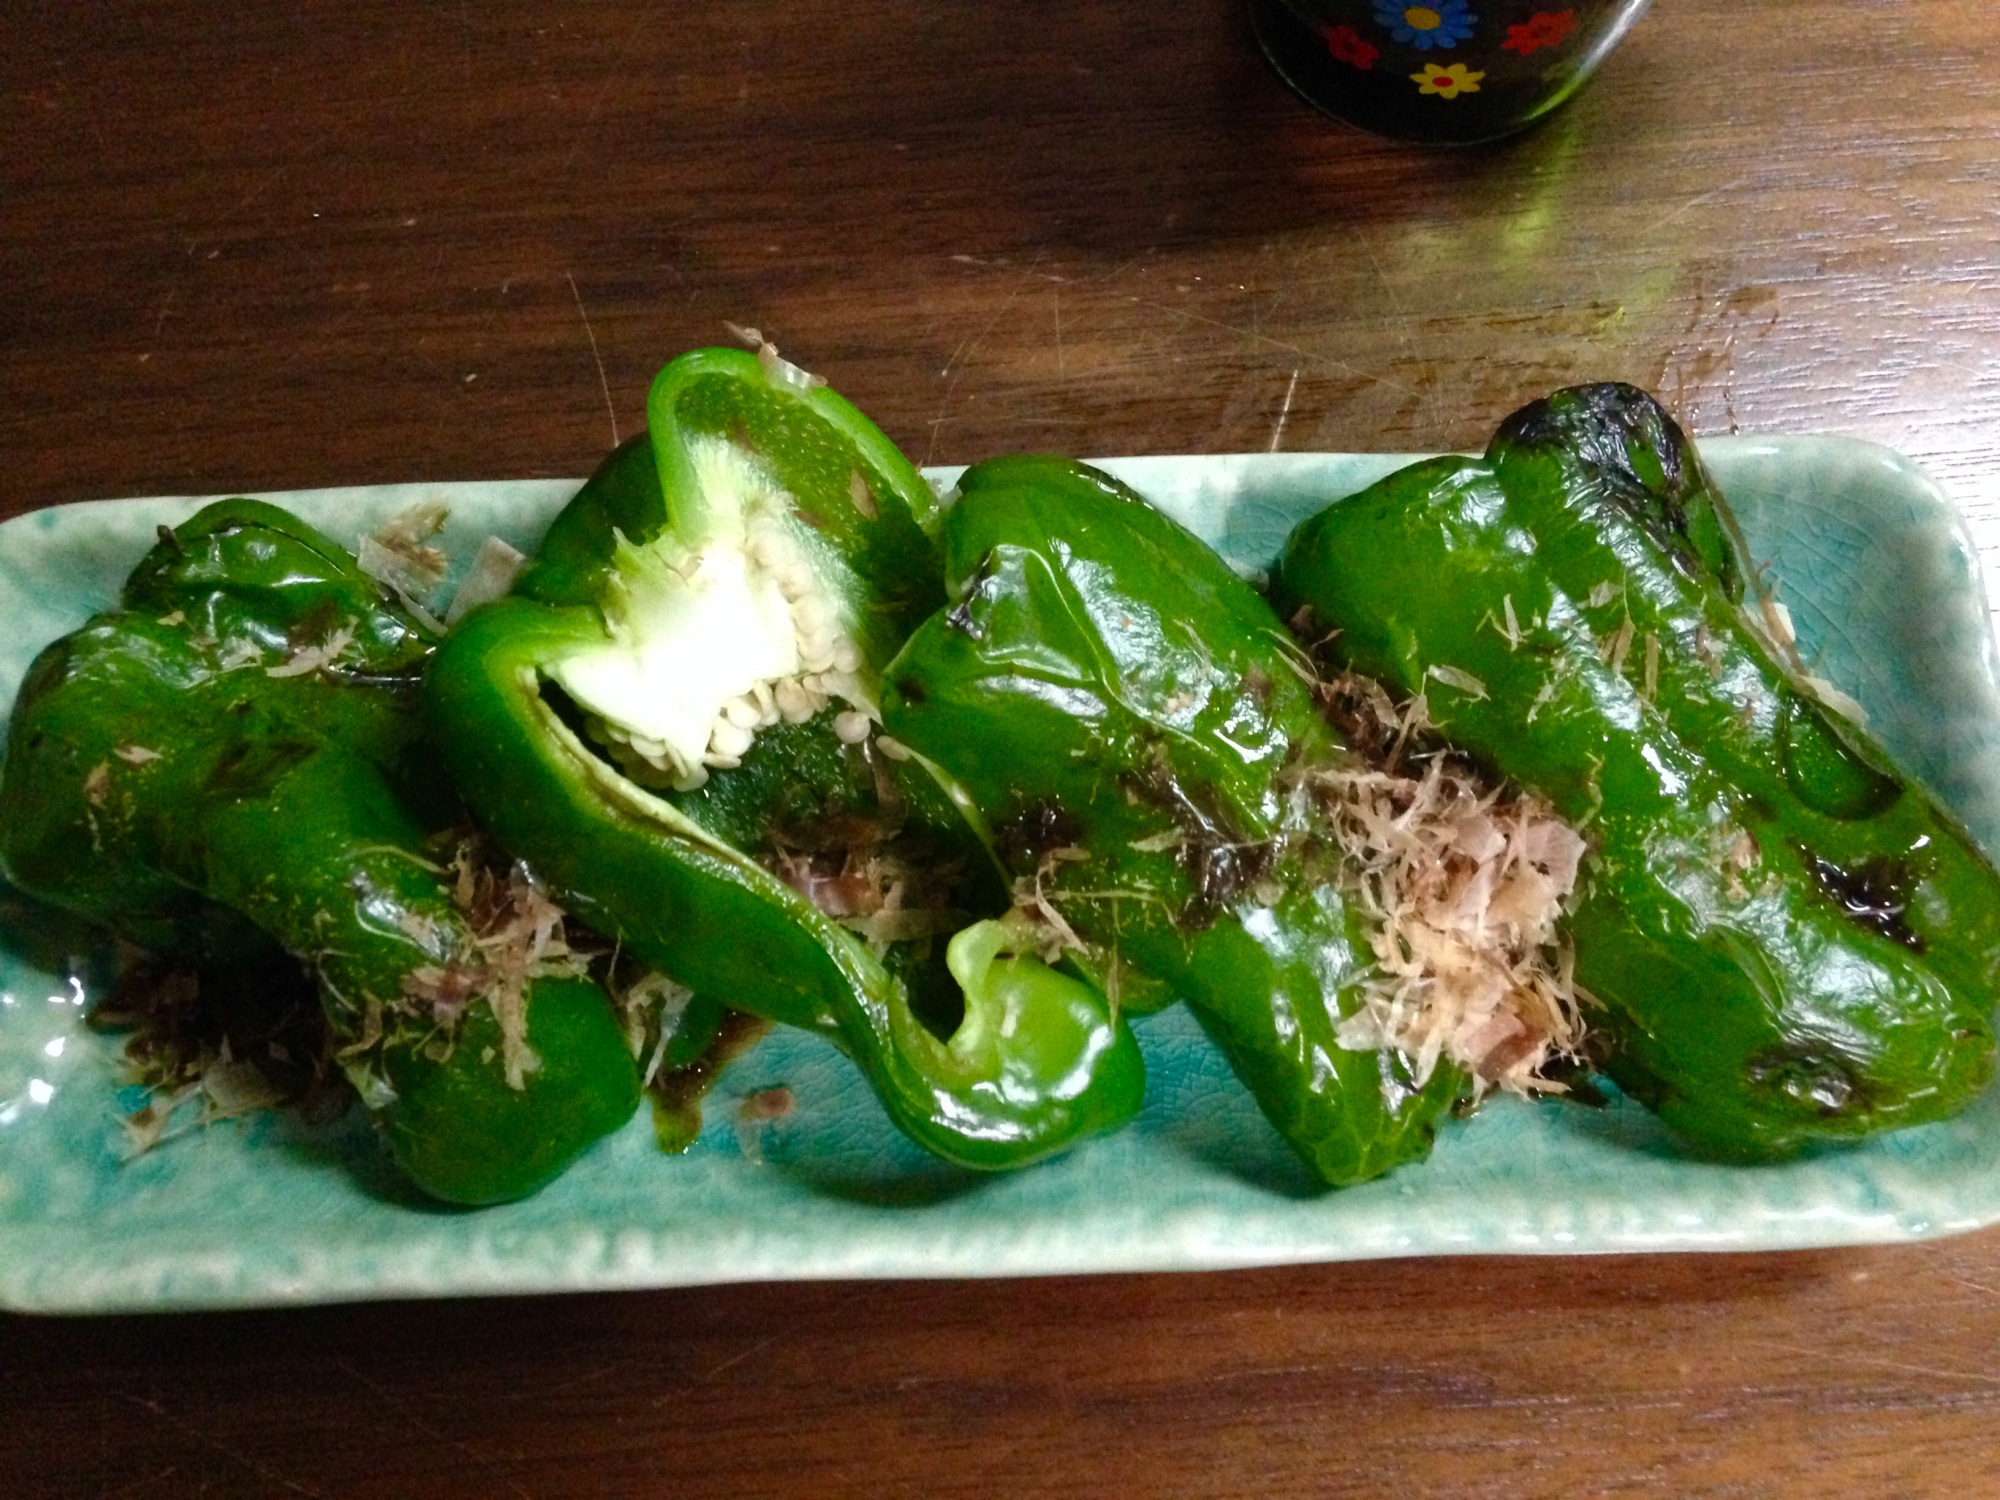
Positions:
(1440, 23)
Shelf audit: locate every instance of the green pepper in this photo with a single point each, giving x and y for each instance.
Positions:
(1628, 522)
(673, 718)
(1569, 607)
(238, 744)
(1127, 710)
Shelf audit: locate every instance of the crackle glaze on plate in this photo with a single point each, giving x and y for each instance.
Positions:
(1882, 581)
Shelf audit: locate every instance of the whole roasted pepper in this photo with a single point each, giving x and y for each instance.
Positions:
(1126, 710)
(1628, 522)
(673, 719)
(236, 749)
(1765, 914)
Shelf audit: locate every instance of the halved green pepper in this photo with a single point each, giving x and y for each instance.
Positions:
(235, 751)
(1568, 607)
(1126, 710)
(674, 719)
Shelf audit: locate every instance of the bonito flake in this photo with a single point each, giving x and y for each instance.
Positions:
(1463, 890)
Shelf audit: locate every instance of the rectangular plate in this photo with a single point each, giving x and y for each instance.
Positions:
(1882, 581)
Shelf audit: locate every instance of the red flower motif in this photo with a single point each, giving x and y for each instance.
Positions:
(1348, 46)
(1543, 29)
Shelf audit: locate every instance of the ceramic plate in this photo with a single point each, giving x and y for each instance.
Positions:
(1882, 581)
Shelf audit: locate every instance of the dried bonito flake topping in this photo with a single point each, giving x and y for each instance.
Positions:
(777, 369)
(1463, 887)
(317, 656)
(195, 1069)
(861, 871)
(516, 936)
(400, 556)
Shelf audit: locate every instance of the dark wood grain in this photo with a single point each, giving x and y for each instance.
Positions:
(1863, 1373)
(270, 246)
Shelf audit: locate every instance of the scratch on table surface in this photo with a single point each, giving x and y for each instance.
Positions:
(1317, 360)
(641, 16)
(954, 356)
(1937, 1372)
(138, 1484)
(575, 1382)
(1388, 286)
(264, 184)
(165, 308)
(1284, 411)
(736, 1359)
(465, 47)
(1061, 369)
(944, 405)
(591, 334)
(263, 1471)
(1693, 203)
(1031, 272)
(955, 367)
(392, 1402)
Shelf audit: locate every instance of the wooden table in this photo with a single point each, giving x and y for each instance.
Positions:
(263, 247)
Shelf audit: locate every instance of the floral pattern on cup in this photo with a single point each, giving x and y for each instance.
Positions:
(1546, 28)
(1442, 23)
(1349, 46)
(1447, 83)
(1388, 65)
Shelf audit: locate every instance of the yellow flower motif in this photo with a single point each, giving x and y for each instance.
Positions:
(1447, 83)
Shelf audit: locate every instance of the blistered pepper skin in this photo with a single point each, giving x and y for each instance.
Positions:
(1754, 1010)
(674, 875)
(1624, 513)
(157, 773)
(1124, 709)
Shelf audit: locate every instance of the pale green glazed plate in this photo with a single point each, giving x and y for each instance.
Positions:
(1882, 581)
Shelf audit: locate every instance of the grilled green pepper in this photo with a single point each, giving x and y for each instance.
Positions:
(238, 744)
(1788, 940)
(1628, 522)
(674, 719)
(1126, 711)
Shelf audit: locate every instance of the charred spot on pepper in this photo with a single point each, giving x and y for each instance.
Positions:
(1640, 461)
(1027, 837)
(1223, 873)
(407, 683)
(1367, 717)
(1221, 861)
(1874, 893)
(960, 617)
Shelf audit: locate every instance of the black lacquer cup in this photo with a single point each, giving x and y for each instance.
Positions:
(1447, 71)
